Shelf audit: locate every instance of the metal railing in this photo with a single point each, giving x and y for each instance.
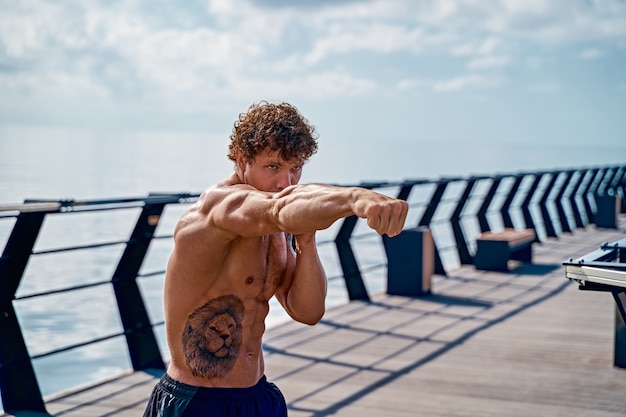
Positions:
(457, 210)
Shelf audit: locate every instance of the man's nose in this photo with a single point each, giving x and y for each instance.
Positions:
(285, 179)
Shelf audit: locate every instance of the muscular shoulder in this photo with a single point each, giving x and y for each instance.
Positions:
(228, 211)
(195, 222)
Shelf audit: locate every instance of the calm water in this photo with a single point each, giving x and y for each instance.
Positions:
(60, 164)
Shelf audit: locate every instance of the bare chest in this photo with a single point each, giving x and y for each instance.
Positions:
(261, 265)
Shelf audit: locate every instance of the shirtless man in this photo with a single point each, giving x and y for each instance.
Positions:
(234, 251)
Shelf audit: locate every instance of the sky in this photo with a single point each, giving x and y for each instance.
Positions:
(435, 71)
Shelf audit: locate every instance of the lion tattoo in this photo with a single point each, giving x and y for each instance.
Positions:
(212, 337)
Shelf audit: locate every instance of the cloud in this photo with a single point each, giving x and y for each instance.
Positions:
(472, 81)
(591, 53)
(539, 21)
(376, 38)
(220, 50)
(488, 62)
(326, 85)
(306, 5)
(487, 46)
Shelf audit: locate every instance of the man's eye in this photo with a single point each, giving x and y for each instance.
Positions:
(297, 168)
(272, 167)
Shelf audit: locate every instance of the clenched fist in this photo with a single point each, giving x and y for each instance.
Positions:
(386, 215)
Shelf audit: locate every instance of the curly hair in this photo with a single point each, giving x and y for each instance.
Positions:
(279, 127)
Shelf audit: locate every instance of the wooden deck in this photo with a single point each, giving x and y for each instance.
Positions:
(523, 343)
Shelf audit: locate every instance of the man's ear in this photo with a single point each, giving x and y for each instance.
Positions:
(240, 161)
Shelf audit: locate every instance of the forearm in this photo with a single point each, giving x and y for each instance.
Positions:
(308, 208)
(306, 296)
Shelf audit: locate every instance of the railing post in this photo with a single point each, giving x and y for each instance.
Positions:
(607, 180)
(543, 205)
(620, 188)
(428, 215)
(351, 273)
(559, 202)
(620, 185)
(455, 220)
(572, 199)
(405, 190)
(142, 345)
(18, 383)
(482, 212)
(528, 218)
(589, 189)
(505, 210)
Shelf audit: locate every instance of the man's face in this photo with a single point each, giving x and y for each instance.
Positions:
(269, 172)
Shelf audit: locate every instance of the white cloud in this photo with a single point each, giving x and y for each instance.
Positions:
(486, 54)
(472, 81)
(378, 38)
(591, 53)
(408, 84)
(317, 86)
(489, 62)
(203, 51)
(487, 46)
(541, 21)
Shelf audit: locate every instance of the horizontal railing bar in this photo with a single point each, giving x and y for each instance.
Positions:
(363, 269)
(163, 236)
(50, 205)
(62, 290)
(93, 246)
(78, 345)
(365, 235)
(90, 342)
(151, 274)
(150, 199)
(373, 267)
(79, 247)
(325, 242)
(334, 277)
(30, 207)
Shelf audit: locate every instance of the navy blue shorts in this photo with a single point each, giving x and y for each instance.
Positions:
(171, 398)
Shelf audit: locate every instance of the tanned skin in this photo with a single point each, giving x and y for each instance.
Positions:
(233, 253)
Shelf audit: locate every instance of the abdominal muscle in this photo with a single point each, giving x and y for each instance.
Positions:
(215, 336)
(238, 365)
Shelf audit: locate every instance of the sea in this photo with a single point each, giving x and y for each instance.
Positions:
(81, 164)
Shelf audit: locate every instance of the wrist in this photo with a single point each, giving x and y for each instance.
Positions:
(305, 241)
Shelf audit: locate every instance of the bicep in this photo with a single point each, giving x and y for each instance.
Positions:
(245, 213)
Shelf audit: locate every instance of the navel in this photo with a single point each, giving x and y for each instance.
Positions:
(250, 280)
